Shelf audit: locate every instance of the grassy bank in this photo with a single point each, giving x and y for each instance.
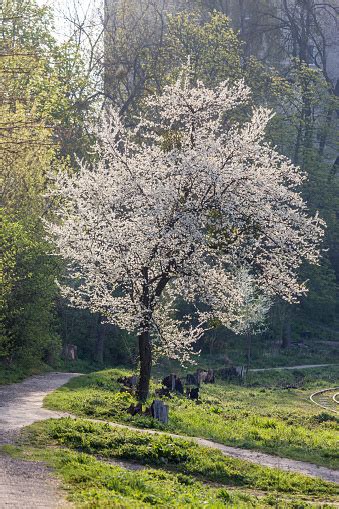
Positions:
(182, 455)
(95, 484)
(159, 471)
(19, 372)
(269, 353)
(262, 415)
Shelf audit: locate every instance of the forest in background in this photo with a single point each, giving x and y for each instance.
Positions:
(118, 55)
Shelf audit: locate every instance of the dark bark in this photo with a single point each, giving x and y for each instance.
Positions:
(69, 352)
(323, 138)
(145, 353)
(335, 168)
(144, 338)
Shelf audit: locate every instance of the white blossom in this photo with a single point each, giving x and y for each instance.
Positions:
(186, 204)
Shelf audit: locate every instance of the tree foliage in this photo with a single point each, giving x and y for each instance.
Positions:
(38, 113)
(213, 216)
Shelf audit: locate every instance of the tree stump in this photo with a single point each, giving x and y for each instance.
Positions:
(163, 392)
(128, 381)
(159, 411)
(69, 352)
(232, 373)
(241, 371)
(210, 378)
(193, 393)
(173, 383)
(169, 381)
(201, 376)
(191, 379)
(135, 409)
(178, 386)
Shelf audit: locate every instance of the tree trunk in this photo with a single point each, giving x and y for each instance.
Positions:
(69, 352)
(145, 353)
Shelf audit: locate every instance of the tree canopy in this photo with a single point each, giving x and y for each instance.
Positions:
(184, 204)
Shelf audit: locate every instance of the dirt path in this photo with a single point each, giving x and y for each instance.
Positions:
(27, 484)
(21, 404)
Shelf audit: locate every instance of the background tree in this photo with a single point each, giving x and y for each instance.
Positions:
(304, 128)
(39, 118)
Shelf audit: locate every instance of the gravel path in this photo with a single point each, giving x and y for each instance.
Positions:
(30, 485)
(27, 484)
(21, 403)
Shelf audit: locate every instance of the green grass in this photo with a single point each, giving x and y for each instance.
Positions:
(305, 379)
(264, 353)
(267, 353)
(96, 484)
(17, 373)
(177, 473)
(182, 455)
(260, 415)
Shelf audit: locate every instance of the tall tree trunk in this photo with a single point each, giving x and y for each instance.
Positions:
(145, 353)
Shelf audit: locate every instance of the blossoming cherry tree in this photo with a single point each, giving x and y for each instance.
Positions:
(185, 204)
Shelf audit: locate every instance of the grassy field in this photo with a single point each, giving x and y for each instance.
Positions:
(262, 414)
(96, 484)
(177, 473)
